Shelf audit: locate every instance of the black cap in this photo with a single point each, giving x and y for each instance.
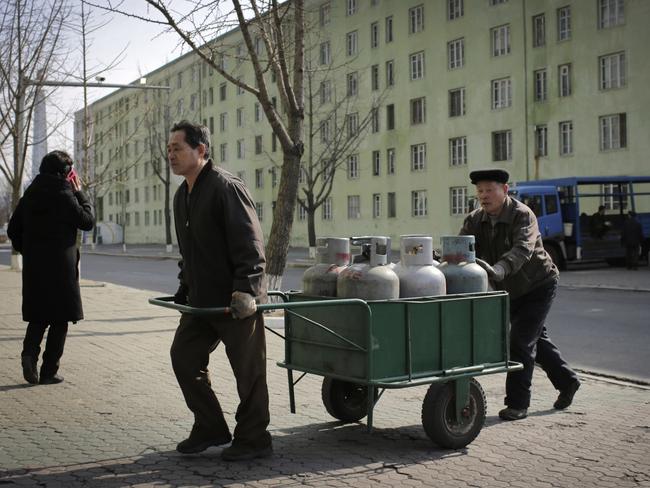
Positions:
(498, 175)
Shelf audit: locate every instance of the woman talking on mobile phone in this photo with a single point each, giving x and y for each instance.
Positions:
(43, 228)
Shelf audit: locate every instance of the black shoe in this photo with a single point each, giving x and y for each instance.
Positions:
(50, 380)
(29, 370)
(565, 398)
(509, 413)
(198, 442)
(243, 453)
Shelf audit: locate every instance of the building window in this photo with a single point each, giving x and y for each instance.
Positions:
(456, 53)
(418, 110)
(259, 209)
(612, 71)
(240, 148)
(351, 7)
(354, 207)
(274, 142)
(222, 92)
(458, 151)
(179, 83)
(376, 205)
(327, 209)
(325, 53)
(351, 47)
(613, 131)
(564, 81)
(376, 163)
(211, 95)
(500, 40)
(374, 120)
(614, 196)
(325, 91)
(539, 30)
(374, 77)
(457, 102)
(258, 144)
(390, 116)
(416, 62)
(259, 178)
(458, 200)
(240, 117)
(390, 73)
(257, 110)
(497, 2)
(223, 121)
(564, 23)
(416, 19)
(389, 29)
(240, 90)
(352, 123)
(374, 35)
(502, 145)
(352, 84)
(540, 85)
(302, 212)
(419, 203)
(353, 166)
(391, 207)
(418, 156)
(541, 141)
(455, 9)
(566, 138)
(390, 161)
(325, 132)
(223, 151)
(501, 93)
(324, 14)
(610, 13)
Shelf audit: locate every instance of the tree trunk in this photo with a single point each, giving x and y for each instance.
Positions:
(311, 226)
(168, 220)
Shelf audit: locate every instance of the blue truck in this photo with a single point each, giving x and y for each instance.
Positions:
(572, 227)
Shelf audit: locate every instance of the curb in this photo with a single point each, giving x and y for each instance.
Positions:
(604, 287)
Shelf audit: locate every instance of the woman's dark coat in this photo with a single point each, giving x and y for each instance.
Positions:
(43, 228)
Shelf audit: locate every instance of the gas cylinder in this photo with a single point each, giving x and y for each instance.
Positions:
(459, 266)
(418, 276)
(372, 279)
(332, 256)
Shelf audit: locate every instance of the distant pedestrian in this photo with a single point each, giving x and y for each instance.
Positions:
(43, 228)
(598, 224)
(221, 246)
(631, 238)
(510, 249)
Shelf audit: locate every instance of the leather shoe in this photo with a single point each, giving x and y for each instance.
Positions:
(509, 413)
(198, 442)
(50, 380)
(565, 398)
(29, 369)
(243, 452)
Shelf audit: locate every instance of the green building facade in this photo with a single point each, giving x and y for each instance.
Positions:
(541, 88)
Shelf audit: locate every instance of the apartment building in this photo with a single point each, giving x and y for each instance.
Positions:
(541, 88)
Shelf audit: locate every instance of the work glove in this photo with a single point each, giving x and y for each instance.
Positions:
(180, 297)
(495, 273)
(242, 305)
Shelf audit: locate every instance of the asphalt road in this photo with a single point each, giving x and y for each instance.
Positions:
(601, 331)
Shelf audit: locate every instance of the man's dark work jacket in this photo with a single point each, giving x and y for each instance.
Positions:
(515, 244)
(220, 239)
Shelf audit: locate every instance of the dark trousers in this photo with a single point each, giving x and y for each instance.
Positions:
(53, 346)
(530, 343)
(196, 337)
(632, 257)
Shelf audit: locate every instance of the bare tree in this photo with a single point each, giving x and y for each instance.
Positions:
(281, 30)
(31, 48)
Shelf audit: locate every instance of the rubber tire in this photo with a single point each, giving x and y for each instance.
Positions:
(555, 256)
(345, 401)
(438, 415)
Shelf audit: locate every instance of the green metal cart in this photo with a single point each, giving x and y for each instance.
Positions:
(362, 348)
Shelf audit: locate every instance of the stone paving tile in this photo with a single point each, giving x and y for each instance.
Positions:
(116, 419)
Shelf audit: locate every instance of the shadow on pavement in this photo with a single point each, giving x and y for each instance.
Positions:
(19, 386)
(313, 454)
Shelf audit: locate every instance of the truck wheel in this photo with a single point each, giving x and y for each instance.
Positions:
(345, 401)
(555, 256)
(439, 415)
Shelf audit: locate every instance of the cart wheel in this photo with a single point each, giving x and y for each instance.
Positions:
(439, 415)
(344, 400)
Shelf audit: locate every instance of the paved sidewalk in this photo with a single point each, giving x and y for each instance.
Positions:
(116, 419)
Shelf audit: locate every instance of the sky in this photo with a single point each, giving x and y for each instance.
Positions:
(146, 50)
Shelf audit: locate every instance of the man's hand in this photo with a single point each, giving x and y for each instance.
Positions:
(495, 273)
(242, 305)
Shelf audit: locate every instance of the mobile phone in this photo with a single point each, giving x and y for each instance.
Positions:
(71, 175)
